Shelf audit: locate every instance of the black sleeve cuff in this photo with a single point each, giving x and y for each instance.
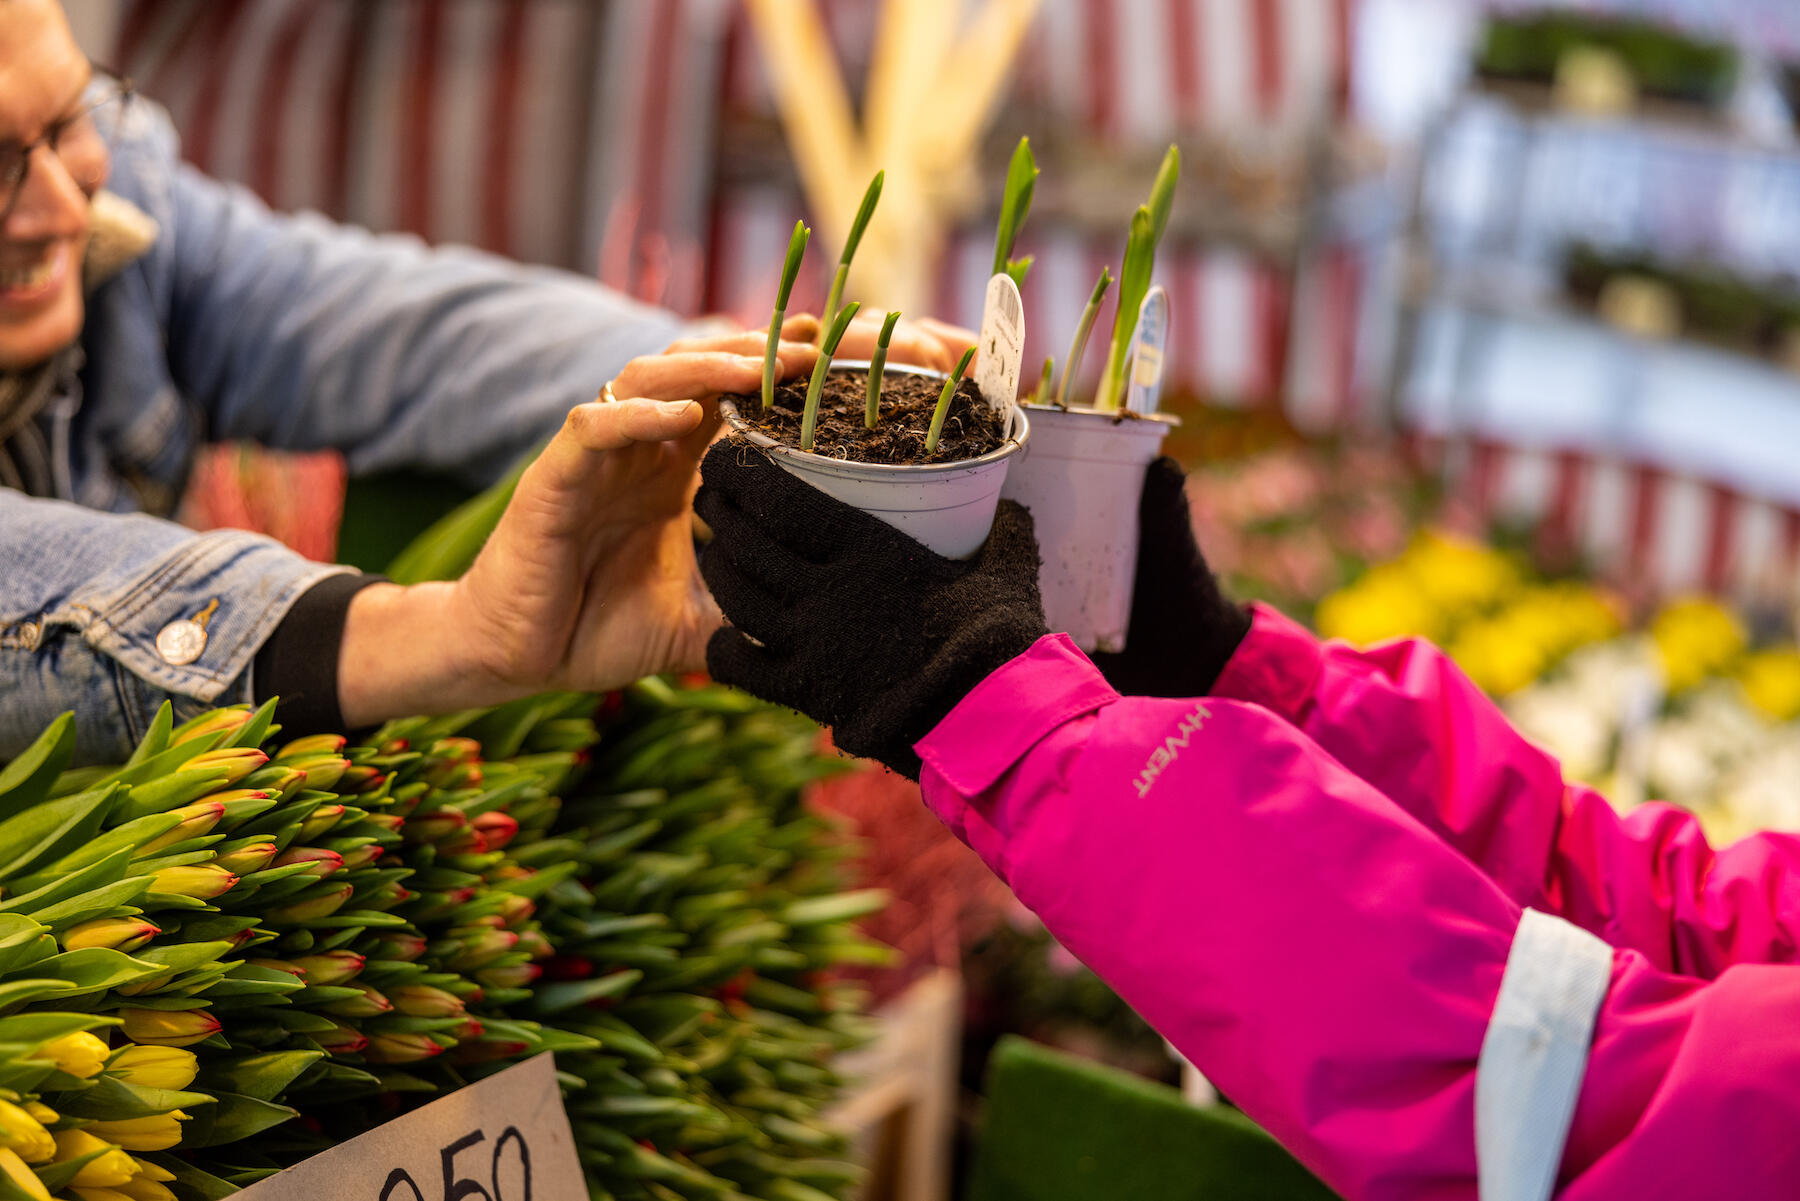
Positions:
(299, 662)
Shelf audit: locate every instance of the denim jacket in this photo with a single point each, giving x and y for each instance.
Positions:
(289, 331)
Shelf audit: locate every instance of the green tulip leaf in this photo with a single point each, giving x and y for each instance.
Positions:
(233, 1117)
(260, 1077)
(111, 1099)
(26, 780)
(50, 828)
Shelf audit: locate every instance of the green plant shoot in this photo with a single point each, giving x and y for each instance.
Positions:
(1147, 225)
(1041, 394)
(816, 385)
(863, 214)
(1083, 328)
(791, 268)
(1015, 203)
(877, 364)
(943, 405)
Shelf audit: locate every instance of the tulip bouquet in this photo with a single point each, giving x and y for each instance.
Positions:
(230, 952)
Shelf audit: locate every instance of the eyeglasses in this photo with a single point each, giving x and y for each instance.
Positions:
(81, 140)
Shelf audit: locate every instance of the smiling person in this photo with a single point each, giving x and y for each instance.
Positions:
(1337, 880)
(145, 308)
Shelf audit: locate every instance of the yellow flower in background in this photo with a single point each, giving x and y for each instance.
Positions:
(1457, 574)
(24, 1134)
(157, 1133)
(109, 1168)
(155, 1067)
(1771, 682)
(1385, 603)
(1495, 655)
(80, 1055)
(1696, 638)
(21, 1177)
(150, 1171)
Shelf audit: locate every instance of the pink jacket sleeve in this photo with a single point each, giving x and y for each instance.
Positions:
(1328, 960)
(1403, 717)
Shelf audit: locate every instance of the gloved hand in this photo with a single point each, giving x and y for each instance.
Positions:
(1183, 629)
(855, 624)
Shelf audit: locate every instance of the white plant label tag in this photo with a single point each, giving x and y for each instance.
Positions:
(1144, 392)
(505, 1139)
(1001, 352)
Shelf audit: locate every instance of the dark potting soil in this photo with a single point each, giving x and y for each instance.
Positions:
(971, 429)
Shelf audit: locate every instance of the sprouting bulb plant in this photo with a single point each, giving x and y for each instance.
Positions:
(878, 364)
(1015, 203)
(815, 387)
(1041, 394)
(1147, 225)
(870, 198)
(1083, 328)
(943, 404)
(791, 268)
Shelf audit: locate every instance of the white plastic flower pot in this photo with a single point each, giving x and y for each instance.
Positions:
(947, 506)
(1082, 477)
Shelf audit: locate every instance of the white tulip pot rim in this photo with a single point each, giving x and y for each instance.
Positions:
(741, 427)
(949, 507)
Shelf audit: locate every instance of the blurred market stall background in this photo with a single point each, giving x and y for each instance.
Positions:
(1487, 315)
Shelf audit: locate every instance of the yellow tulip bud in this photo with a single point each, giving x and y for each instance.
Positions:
(202, 881)
(150, 1171)
(157, 1133)
(42, 1113)
(115, 933)
(155, 1067)
(169, 1027)
(100, 1194)
(197, 821)
(80, 1055)
(142, 1189)
(22, 1177)
(110, 1169)
(21, 1132)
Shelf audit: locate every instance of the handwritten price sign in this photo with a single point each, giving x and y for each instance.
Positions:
(504, 1139)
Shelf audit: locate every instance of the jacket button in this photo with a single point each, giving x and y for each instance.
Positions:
(180, 642)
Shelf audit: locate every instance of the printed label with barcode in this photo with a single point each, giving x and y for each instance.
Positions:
(1001, 355)
(1148, 341)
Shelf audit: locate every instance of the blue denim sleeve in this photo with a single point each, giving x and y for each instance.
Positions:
(83, 596)
(302, 334)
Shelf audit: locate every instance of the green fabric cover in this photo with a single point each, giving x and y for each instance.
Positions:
(1060, 1128)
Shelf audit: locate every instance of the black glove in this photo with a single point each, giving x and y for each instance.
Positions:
(1183, 629)
(860, 627)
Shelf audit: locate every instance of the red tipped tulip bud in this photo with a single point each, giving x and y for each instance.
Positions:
(281, 965)
(483, 947)
(512, 975)
(401, 1048)
(320, 820)
(252, 858)
(369, 1005)
(341, 1040)
(388, 823)
(114, 933)
(323, 862)
(312, 745)
(362, 856)
(331, 967)
(231, 720)
(168, 1027)
(197, 821)
(358, 780)
(237, 762)
(515, 909)
(424, 1001)
(487, 1050)
(438, 826)
(511, 871)
(498, 828)
(404, 947)
(301, 912)
(202, 881)
(534, 944)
